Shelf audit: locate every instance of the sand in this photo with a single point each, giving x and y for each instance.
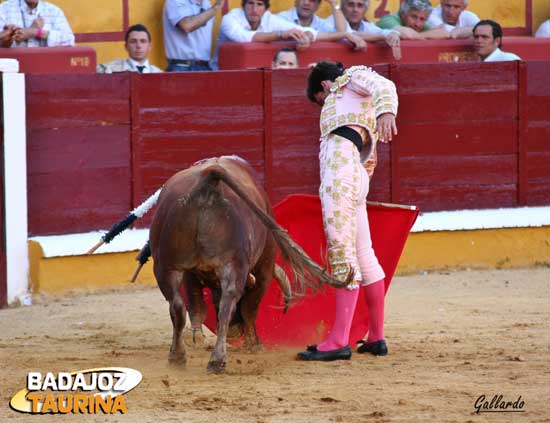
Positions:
(452, 338)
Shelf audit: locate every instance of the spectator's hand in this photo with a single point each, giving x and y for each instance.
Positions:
(219, 4)
(356, 42)
(38, 23)
(409, 33)
(6, 36)
(23, 34)
(386, 127)
(293, 34)
(394, 41)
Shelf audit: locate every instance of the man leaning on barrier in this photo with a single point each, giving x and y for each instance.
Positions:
(454, 18)
(412, 21)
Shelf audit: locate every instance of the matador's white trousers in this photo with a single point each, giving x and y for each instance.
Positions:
(343, 191)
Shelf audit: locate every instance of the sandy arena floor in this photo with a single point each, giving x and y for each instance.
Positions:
(452, 338)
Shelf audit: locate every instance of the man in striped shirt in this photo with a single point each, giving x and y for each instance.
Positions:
(33, 23)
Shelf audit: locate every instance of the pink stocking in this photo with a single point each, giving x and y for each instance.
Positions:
(374, 294)
(346, 300)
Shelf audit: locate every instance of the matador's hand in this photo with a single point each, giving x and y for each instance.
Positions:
(386, 127)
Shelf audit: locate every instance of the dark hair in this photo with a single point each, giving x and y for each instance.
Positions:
(137, 28)
(497, 29)
(266, 2)
(323, 71)
(284, 50)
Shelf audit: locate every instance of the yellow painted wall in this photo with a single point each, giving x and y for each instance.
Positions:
(106, 16)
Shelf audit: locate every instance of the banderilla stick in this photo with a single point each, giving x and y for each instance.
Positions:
(128, 220)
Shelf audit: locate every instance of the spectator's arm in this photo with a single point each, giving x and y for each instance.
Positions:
(439, 33)
(465, 32)
(58, 32)
(340, 23)
(407, 33)
(356, 42)
(191, 23)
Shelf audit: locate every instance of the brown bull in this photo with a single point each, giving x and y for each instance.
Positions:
(213, 226)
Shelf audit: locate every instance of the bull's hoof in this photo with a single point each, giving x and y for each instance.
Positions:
(194, 338)
(177, 359)
(216, 367)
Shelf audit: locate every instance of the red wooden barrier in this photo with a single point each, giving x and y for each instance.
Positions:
(470, 136)
(535, 138)
(53, 59)
(457, 136)
(260, 55)
(78, 152)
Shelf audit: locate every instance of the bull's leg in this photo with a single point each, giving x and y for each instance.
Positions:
(251, 303)
(232, 281)
(197, 309)
(170, 286)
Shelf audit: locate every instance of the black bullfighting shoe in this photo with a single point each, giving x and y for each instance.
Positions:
(311, 347)
(375, 348)
(316, 355)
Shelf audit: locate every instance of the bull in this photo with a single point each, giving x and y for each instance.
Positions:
(214, 227)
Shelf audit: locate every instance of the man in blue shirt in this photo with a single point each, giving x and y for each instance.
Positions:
(188, 33)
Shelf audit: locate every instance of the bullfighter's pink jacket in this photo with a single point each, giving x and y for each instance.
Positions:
(357, 98)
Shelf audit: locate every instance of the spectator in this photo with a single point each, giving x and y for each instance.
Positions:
(285, 58)
(488, 40)
(33, 23)
(411, 21)
(354, 12)
(187, 28)
(254, 22)
(303, 14)
(544, 30)
(138, 45)
(454, 18)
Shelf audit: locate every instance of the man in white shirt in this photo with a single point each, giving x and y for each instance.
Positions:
(138, 45)
(453, 16)
(33, 23)
(254, 22)
(303, 14)
(354, 12)
(488, 40)
(544, 30)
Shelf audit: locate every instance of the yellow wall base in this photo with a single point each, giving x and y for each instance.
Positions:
(488, 248)
(494, 248)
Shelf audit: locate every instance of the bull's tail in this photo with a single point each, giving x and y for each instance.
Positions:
(283, 282)
(127, 221)
(306, 273)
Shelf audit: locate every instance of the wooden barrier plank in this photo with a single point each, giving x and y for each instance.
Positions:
(461, 197)
(458, 135)
(536, 142)
(78, 152)
(180, 118)
(60, 100)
